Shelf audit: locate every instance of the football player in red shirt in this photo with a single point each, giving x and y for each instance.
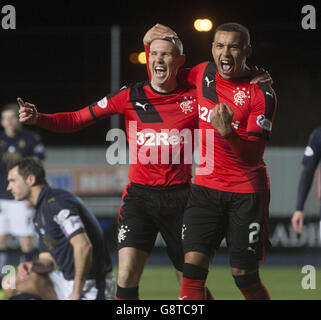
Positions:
(160, 114)
(230, 194)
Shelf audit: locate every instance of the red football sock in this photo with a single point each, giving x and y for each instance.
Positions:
(256, 291)
(193, 290)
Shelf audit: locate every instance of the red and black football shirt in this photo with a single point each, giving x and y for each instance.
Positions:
(254, 107)
(160, 130)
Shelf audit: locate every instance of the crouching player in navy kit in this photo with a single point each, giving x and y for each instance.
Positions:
(16, 142)
(70, 239)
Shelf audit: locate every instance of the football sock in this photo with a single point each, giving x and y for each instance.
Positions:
(127, 293)
(252, 287)
(193, 284)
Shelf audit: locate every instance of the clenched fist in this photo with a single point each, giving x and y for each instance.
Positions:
(221, 118)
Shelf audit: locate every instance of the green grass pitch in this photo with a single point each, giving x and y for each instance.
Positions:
(283, 283)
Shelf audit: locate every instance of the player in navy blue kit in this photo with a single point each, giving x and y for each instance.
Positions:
(311, 159)
(15, 217)
(70, 238)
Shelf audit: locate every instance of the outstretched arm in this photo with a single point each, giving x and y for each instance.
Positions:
(58, 122)
(111, 104)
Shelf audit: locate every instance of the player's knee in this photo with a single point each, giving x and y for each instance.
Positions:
(26, 244)
(3, 242)
(198, 259)
(128, 278)
(244, 279)
(179, 276)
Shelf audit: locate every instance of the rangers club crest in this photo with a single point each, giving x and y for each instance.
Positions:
(186, 105)
(240, 96)
(122, 233)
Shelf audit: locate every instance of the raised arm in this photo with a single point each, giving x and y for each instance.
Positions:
(76, 120)
(158, 31)
(58, 122)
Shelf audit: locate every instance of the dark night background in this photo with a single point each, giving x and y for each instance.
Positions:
(59, 56)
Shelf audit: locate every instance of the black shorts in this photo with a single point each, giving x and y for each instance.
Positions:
(212, 215)
(148, 210)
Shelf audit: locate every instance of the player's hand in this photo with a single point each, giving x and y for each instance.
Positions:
(42, 266)
(260, 75)
(159, 31)
(221, 118)
(27, 113)
(24, 270)
(297, 221)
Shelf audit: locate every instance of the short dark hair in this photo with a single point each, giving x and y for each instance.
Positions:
(30, 166)
(235, 27)
(11, 106)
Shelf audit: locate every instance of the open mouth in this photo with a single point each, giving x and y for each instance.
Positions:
(160, 71)
(227, 66)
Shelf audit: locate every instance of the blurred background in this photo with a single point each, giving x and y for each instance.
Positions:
(64, 55)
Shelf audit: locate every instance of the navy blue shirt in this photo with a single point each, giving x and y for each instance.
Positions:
(61, 215)
(26, 143)
(310, 161)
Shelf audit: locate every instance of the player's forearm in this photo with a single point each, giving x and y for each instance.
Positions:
(66, 121)
(82, 261)
(43, 266)
(251, 152)
(305, 183)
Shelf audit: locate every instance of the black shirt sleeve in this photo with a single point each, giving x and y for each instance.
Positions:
(310, 161)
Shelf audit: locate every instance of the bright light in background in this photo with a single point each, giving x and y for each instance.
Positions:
(142, 57)
(136, 58)
(203, 25)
